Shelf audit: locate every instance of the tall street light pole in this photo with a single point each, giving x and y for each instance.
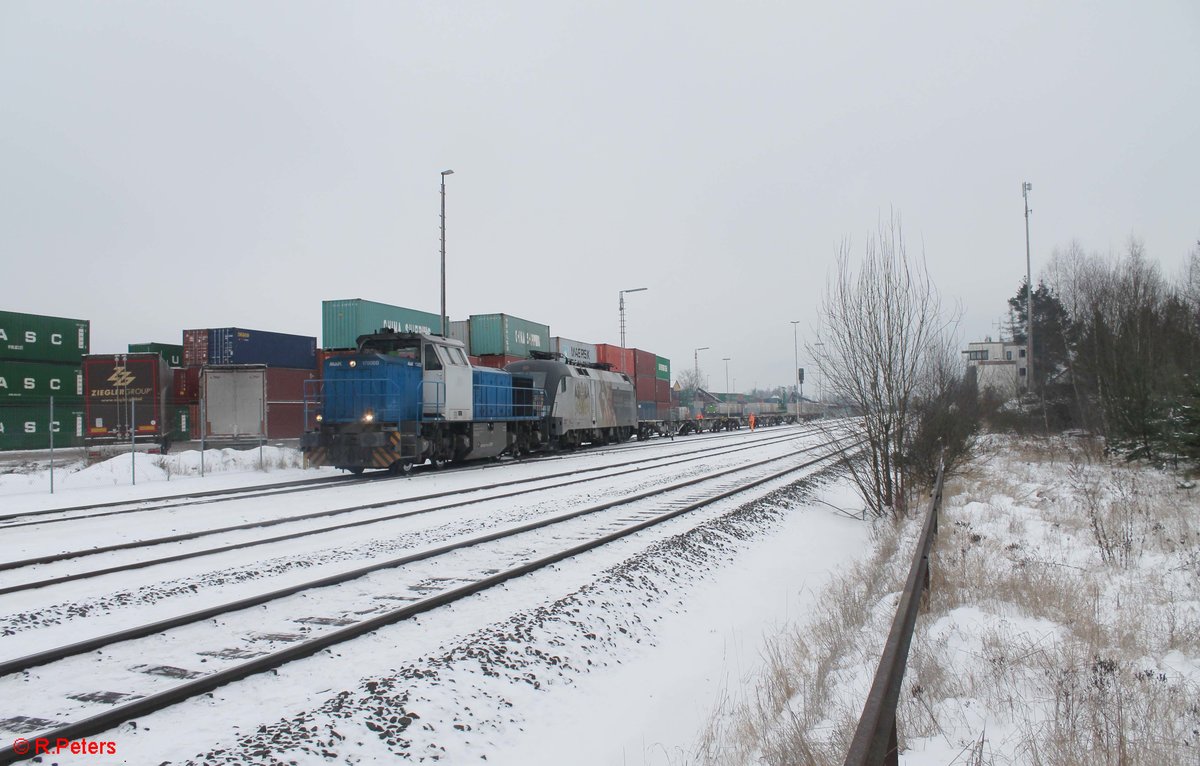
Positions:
(726, 361)
(696, 363)
(622, 304)
(444, 318)
(1027, 187)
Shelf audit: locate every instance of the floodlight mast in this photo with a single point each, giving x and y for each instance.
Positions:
(622, 307)
(1027, 187)
(443, 318)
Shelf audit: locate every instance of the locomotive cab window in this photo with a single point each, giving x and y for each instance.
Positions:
(457, 356)
(432, 361)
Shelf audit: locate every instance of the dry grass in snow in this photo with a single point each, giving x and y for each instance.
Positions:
(1063, 627)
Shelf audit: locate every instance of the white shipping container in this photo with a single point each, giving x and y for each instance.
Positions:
(574, 351)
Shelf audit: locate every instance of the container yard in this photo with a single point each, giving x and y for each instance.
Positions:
(43, 356)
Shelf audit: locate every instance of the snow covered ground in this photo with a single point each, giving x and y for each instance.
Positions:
(1063, 626)
(615, 656)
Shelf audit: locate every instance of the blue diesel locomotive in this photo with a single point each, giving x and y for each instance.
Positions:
(406, 398)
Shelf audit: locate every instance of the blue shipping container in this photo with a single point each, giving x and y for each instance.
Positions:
(647, 410)
(234, 345)
(492, 394)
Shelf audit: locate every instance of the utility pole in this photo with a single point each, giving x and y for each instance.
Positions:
(622, 309)
(1027, 187)
(445, 329)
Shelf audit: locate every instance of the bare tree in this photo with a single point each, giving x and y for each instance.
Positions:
(883, 326)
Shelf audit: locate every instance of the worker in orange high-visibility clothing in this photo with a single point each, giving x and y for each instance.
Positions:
(752, 421)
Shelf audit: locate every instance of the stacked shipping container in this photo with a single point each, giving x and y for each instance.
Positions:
(40, 358)
(179, 416)
(342, 321)
(289, 361)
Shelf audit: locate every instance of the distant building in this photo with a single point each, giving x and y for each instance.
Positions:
(998, 365)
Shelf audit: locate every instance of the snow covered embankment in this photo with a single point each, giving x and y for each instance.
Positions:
(1063, 627)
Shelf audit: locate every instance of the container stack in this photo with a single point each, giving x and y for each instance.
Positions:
(501, 339)
(574, 351)
(276, 367)
(662, 387)
(618, 359)
(342, 321)
(645, 383)
(181, 415)
(41, 357)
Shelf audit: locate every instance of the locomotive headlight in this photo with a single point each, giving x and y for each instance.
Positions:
(368, 416)
(353, 363)
(320, 417)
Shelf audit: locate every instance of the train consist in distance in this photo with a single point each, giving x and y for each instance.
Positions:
(404, 398)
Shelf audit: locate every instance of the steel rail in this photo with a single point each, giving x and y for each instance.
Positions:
(875, 741)
(142, 563)
(175, 695)
(260, 490)
(57, 653)
(283, 486)
(263, 490)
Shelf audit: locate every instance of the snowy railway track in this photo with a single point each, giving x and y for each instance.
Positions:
(141, 559)
(166, 502)
(366, 600)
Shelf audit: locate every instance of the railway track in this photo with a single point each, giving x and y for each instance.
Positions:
(364, 600)
(145, 559)
(205, 497)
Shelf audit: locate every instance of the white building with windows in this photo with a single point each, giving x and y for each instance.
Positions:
(998, 365)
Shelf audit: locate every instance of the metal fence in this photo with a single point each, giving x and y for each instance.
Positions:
(875, 742)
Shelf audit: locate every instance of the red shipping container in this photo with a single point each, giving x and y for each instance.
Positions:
(618, 359)
(285, 420)
(474, 360)
(645, 363)
(287, 385)
(646, 387)
(186, 385)
(195, 348)
(662, 390)
(498, 361)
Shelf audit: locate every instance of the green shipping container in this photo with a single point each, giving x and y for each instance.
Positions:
(342, 321)
(181, 423)
(662, 368)
(172, 353)
(26, 425)
(40, 380)
(36, 338)
(508, 335)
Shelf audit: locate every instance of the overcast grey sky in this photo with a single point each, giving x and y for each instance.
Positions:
(196, 164)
